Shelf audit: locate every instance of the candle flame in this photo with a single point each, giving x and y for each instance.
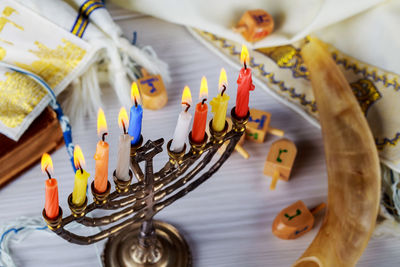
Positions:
(79, 160)
(47, 163)
(186, 97)
(203, 89)
(101, 123)
(244, 56)
(123, 119)
(135, 93)
(223, 80)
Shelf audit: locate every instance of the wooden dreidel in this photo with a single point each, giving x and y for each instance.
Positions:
(258, 126)
(295, 220)
(152, 89)
(239, 146)
(255, 25)
(280, 160)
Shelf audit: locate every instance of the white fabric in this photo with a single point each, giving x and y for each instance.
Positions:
(102, 41)
(23, 45)
(350, 25)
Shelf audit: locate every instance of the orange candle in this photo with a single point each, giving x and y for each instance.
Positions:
(200, 116)
(51, 206)
(101, 156)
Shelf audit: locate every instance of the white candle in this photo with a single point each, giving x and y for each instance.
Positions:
(181, 131)
(124, 151)
(182, 127)
(124, 148)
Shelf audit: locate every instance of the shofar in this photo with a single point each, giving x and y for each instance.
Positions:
(352, 164)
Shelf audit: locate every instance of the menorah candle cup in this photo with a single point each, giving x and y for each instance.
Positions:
(196, 147)
(77, 211)
(136, 146)
(239, 124)
(175, 157)
(100, 198)
(218, 137)
(54, 223)
(122, 186)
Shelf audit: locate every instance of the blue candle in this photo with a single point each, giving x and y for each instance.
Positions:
(136, 114)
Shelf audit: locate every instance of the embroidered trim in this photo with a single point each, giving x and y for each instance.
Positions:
(295, 64)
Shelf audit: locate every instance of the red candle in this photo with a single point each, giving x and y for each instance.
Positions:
(200, 116)
(245, 85)
(51, 206)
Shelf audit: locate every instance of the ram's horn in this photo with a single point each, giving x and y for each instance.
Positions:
(352, 165)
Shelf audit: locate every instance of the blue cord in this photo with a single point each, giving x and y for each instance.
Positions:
(134, 38)
(63, 120)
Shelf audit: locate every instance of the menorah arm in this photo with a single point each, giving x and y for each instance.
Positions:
(188, 177)
(104, 220)
(204, 177)
(87, 240)
(120, 203)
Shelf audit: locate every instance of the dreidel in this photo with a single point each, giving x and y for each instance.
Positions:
(280, 161)
(295, 220)
(239, 146)
(258, 126)
(152, 89)
(255, 25)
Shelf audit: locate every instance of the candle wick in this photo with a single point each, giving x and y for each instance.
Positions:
(80, 167)
(48, 174)
(245, 65)
(204, 100)
(223, 89)
(187, 106)
(103, 136)
(136, 103)
(123, 126)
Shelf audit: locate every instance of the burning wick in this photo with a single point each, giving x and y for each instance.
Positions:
(48, 174)
(245, 65)
(123, 126)
(187, 106)
(204, 100)
(136, 102)
(224, 89)
(80, 168)
(103, 136)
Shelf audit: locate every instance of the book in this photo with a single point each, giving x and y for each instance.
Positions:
(43, 135)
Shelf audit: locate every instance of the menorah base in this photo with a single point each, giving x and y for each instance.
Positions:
(174, 251)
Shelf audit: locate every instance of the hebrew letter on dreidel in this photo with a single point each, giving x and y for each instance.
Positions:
(295, 220)
(154, 95)
(280, 160)
(258, 126)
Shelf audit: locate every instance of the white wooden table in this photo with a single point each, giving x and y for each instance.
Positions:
(227, 221)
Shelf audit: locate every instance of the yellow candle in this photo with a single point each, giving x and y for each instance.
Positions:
(81, 177)
(219, 104)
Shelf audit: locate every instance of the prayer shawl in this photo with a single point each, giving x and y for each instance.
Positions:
(63, 43)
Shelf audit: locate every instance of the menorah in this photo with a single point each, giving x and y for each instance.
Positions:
(139, 240)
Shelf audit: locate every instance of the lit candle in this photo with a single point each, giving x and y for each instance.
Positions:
(245, 85)
(101, 156)
(219, 104)
(124, 148)
(200, 116)
(182, 127)
(51, 206)
(81, 177)
(136, 115)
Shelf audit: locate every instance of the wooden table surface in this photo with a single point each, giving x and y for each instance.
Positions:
(227, 220)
